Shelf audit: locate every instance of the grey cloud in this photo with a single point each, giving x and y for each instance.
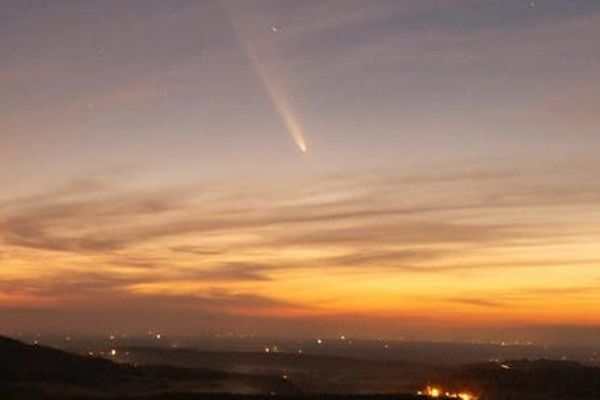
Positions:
(382, 258)
(198, 250)
(69, 284)
(230, 272)
(477, 302)
(27, 236)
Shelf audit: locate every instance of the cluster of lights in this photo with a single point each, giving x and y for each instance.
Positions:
(515, 342)
(110, 352)
(272, 349)
(436, 392)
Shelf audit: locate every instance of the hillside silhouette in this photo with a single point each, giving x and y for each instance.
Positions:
(33, 372)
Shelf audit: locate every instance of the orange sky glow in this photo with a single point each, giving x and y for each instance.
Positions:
(385, 169)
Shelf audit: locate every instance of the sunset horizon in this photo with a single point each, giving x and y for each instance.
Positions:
(400, 170)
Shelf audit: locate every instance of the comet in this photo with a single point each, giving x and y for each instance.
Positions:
(274, 88)
(281, 103)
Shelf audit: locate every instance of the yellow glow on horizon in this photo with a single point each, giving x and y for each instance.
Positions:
(304, 253)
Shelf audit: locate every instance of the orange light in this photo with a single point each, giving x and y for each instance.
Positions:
(435, 392)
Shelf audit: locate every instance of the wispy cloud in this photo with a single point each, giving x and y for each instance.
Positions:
(91, 239)
(477, 302)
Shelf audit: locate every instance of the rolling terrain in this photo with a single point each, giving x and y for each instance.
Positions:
(32, 372)
(312, 374)
(36, 372)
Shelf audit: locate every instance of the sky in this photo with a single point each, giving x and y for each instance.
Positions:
(378, 169)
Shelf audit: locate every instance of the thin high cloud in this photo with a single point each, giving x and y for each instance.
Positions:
(214, 252)
(419, 215)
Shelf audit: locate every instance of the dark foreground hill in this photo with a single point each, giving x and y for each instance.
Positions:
(42, 373)
(526, 380)
(37, 372)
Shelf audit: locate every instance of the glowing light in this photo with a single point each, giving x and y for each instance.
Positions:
(436, 392)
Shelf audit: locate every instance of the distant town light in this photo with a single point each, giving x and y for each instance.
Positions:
(436, 392)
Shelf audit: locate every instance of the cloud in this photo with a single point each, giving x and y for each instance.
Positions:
(67, 284)
(232, 272)
(209, 312)
(213, 249)
(432, 210)
(198, 250)
(477, 302)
